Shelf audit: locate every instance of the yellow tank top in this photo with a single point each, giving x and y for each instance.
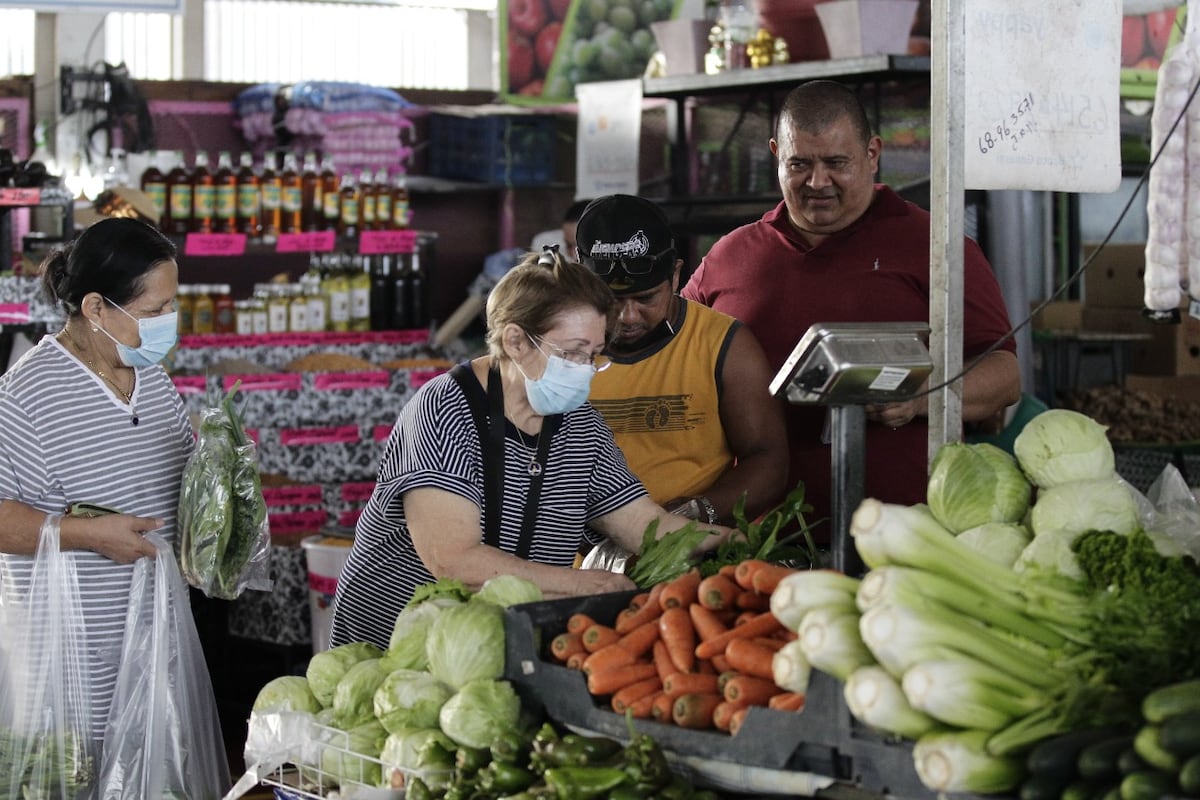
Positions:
(664, 408)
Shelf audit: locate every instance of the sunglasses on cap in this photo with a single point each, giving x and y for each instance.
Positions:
(641, 265)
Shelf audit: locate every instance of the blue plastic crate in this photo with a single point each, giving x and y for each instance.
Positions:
(508, 149)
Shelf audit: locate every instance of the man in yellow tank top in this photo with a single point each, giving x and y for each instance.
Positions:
(687, 395)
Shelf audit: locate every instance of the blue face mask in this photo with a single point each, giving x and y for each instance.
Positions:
(563, 387)
(158, 335)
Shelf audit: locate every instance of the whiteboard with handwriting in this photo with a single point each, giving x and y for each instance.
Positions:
(1042, 95)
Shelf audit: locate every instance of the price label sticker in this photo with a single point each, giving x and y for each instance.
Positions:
(376, 242)
(889, 379)
(20, 197)
(307, 242)
(214, 244)
(14, 313)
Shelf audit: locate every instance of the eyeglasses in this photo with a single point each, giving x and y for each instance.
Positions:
(580, 358)
(642, 265)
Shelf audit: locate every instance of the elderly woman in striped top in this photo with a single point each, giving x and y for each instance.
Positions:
(501, 466)
(89, 415)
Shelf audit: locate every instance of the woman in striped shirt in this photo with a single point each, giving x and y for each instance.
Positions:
(501, 466)
(88, 415)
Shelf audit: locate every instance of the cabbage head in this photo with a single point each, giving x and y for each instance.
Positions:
(327, 668)
(408, 698)
(509, 590)
(354, 697)
(1001, 542)
(972, 484)
(1050, 553)
(480, 712)
(348, 758)
(426, 752)
(406, 648)
(466, 643)
(1081, 506)
(1060, 446)
(285, 693)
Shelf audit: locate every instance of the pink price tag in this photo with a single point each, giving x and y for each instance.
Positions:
(349, 519)
(189, 384)
(382, 432)
(20, 197)
(372, 243)
(275, 382)
(14, 313)
(419, 377)
(297, 522)
(322, 584)
(342, 434)
(357, 492)
(303, 495)
(214, 244)
(370, 379)
(307, 242)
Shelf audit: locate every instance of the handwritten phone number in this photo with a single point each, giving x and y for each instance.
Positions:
(1012, 129)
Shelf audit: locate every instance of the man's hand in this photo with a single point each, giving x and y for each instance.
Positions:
(894, 415)
(120, 537)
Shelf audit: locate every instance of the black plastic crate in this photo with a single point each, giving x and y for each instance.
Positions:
(508, 149)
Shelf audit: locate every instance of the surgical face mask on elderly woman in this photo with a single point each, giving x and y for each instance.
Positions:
(566, 381)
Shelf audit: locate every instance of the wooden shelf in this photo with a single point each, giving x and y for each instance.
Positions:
(864, 68)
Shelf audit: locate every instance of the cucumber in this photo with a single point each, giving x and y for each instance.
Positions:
(1129, 761)
(1043, 787)
(1148, 784)
(1099, 760)
(1085, 790)
(1058, 754)
(1167, 701)
(1149, 747)
(1189, 776)
(1181, 733)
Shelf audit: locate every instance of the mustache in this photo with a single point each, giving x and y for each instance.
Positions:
(805, 195)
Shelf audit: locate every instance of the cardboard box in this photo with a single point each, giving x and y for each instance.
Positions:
(1177, 387)
(1158, 349)
(1059, 315)
(1115, 278)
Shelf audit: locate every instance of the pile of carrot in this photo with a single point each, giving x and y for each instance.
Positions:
(693, 651)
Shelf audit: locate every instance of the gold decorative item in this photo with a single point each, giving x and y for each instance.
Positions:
(714, 59)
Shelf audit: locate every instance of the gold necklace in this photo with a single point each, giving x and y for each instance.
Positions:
(127, 395)
(535, 468)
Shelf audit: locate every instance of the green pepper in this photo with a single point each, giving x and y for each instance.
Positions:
(594, 748)
(510, 747)
(637, 791)
(583, 783)
(645, 762)
(503, 778)
(417, 789)
(469, 760)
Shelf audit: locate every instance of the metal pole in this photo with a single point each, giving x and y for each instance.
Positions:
(948, 81)
(849, 442)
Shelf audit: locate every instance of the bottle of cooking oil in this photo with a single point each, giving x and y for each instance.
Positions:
(204, 195)
(312, 209)
(348, 220)
(278, 316)
(225, 183)
(297, 309)
(291, 195)
(258, 308)
(223, 321)
(400, 209)
(331, 198)
(318, 303)
(249, 196)
(360, 295)
(272, 192)
(203, 309)
(383, 200)
(179, 197)
(243, 317)
(336, 285)
(367, 192)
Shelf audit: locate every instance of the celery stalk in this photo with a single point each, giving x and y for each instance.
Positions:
(958, 761)
(831, 641)
(875, 698)
(802, 591)
(968, 694)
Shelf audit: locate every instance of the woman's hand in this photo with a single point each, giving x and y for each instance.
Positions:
(601, 581)
(120, 536)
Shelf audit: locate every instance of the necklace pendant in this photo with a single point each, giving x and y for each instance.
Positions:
(535, 469)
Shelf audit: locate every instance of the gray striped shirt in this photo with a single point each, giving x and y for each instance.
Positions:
(66, 438)
(435, 444)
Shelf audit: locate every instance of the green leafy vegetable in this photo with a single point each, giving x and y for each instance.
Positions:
(1060, 446)
(509, 590)
(349, 757)
(286, 693)
(480, 712)
(354, 696)
(466, 643)
(444, 588)
(410, 699)
(406, 647)
(971, 484)
(326, 669)
(664, 557)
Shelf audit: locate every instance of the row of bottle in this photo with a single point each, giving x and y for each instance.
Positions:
(340, 292)
(282, 198)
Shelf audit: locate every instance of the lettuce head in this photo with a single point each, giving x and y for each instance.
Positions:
(1060, 446)
(1001, 542)
(480, 712)
(410, 698)
(466, 643)
(406, 648)
(285, 693)
(1080, 506)
(354, 697)
(509, 590)
(426, 752)
(327, 668)
(973, 484)
(348, 758)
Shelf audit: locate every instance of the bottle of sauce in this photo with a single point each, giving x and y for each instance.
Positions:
(243, 315)
(225, 218)
(203, 310)
(400, 211)
(204, 195)
(291, 199)
(383, 200)
(179, 197)
(223, 312)
(330, 196)
(383, 291)
(185, 305)
(336, 285)
(154, 186)
(348, 219)
(272, 199)
(360, 294)
(366, 201)
(277, 309)
(297, 309)
(318, 303)
(312, 210)
(258, 309)
(249, 196)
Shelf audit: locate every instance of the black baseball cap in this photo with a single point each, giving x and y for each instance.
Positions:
(627, 241)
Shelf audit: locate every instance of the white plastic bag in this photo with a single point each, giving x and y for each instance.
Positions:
(46, 747)
(163, 737)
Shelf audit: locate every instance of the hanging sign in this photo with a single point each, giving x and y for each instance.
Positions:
(99, 6)
(1042, 104)
(607, 142)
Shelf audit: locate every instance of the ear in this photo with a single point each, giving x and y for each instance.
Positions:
(514, 340)
(91, 306)
(874, 149)
(774, 145)
(675, 276)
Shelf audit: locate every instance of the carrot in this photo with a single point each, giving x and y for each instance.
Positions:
(767, 577)
(680, 592)
(638, 600)
(660, 708)
(576, 660)
(727, 570)
(724, 678)
(761, 625)
(705, 622)
(704, 666)
(743, 617)
(643, 706)
(627, 695)
(676, 631)
(639, 640)
(744, 574)
(662, 660)
(617, 678)
(647, 612)
(737, 720)
(772, 643)
(720, 663)
(606, 658)
(717, 592)
(750, 658)
(723, 714)
(566, 645)
(695, 710)
(578, 623)
(597, 635)
(747, 690)
(689, 683)
(787, 701)
(751, 600)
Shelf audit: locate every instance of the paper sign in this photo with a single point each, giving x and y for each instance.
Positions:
(349, 519)
(1042, 95)
(297, 522)
(20, 197)
(214, 244)
(14, 313)
(307, 242)
(377, 242)
(357, 492)
(381, 432)
(302, 495)
(189, 384)
(607, 143)
(333, 381)
(419, 377)
(273, 382)
(318, 338)
(342, 434)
